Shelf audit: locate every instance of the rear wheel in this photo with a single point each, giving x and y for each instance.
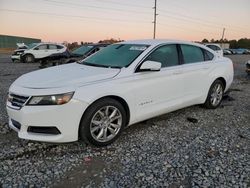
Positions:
(29, 58)
(103, 122)
(215, 95)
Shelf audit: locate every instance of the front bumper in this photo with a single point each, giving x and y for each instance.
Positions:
(65, 118)
(15, 57)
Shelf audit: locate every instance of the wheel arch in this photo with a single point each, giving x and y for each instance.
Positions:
(24, 55)
(223, 80)
(115, 97)
(28, 54)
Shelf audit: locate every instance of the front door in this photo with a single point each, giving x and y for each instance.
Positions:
(161, 91)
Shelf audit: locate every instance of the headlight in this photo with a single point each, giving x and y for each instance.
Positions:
(51, 99)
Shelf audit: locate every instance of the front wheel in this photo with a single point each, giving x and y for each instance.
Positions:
(103, 122)
(29, 58)
(215, 95)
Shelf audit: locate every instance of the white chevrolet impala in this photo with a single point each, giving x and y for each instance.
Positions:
(123, 84)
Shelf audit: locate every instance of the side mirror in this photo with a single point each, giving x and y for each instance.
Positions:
(150, 66)
(36, 48)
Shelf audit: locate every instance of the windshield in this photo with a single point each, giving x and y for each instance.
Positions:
(32, 45)
(116, 55)
(82, 50)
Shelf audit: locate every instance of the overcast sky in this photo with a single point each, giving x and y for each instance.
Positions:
(94, 20)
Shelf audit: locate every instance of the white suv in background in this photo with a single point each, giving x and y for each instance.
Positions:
(39, 51)
(215, 47)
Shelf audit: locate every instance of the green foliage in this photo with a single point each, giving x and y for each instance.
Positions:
(205, 41)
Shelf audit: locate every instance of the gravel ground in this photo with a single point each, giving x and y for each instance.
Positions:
(192, 147)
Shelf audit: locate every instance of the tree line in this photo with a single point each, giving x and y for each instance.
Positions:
(241, 43)
(74, 45)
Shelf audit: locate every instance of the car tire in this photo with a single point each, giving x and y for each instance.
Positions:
(16, 61)
(215, 95)
(103, 122)
(29, 58)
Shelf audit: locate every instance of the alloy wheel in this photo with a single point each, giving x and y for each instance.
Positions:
(216, 94)
(106, 123)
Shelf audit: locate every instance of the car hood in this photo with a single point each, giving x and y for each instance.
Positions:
(18, 52)
(69, 75)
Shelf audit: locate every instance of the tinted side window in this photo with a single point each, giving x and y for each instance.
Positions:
(94, 51)
(166, 55)
(52, 47)
(42, 47)
(208, 55)
(213, 47)
(59, 47)
(192, 54)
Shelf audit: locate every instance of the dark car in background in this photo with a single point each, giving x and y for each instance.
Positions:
(85, 51)
(240, 51)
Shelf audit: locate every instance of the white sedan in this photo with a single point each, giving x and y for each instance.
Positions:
(123, 84)
(215, 47)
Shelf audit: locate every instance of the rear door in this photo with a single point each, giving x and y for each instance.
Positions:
(40, 51)
(197, 63)
(52, 49)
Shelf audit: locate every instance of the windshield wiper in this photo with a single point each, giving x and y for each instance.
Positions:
(94, 65)
(98, 65)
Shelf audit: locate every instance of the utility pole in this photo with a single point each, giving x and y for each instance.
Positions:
(222, 37)
(223, 32)
(155, 14)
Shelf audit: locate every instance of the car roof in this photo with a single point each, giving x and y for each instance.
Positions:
(156, 42)
(96, 44)
(49, 43)
(212, 44)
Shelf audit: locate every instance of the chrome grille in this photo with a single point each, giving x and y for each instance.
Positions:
(17, 101)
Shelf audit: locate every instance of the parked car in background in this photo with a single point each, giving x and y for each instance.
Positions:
(234, 51)
(242, 51)
(215, 47)
(227, 52)
(85, 51)
(248, 67)
(39, 51)
(120, 85)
